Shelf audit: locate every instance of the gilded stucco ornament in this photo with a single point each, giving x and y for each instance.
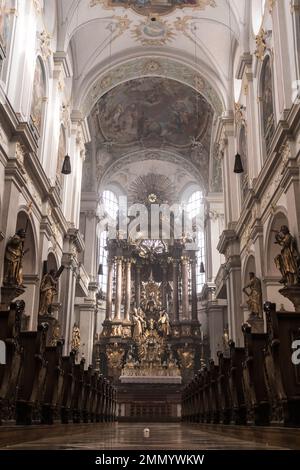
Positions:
(153, 32)
(151, 66)
(45, 44)
(148, 7)
(262, 43)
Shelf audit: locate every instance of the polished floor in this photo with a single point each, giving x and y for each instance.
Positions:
(130, 436)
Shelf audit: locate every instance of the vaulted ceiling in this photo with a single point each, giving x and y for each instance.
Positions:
(152, 75)
(103, 34)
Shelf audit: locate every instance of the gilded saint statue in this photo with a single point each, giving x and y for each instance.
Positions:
(13, 269)
(75, 342)
(254, 293)
(138, 324)
(288, 262)
(164, 323)
(48, 290)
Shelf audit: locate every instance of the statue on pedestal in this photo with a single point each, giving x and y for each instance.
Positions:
(48, 290)
(288, 262)
(138, 324)
(13, 269)
(75, 342)
(164, 323)
(254, 301)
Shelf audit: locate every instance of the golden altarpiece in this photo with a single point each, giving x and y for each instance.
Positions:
(151, 338)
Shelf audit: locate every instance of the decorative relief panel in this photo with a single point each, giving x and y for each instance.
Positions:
(150, 7)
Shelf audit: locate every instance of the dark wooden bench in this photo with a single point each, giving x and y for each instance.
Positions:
(282, 375)
(224, 389)
(68, 364)
(255, 389)
(237, 357)
(10, 327)
(54, 383)
(32, 377)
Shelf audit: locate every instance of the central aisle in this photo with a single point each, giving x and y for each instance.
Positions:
(130, 436)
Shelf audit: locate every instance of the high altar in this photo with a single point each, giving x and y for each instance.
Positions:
(150, 345)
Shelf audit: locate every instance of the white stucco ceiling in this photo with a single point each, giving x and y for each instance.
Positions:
(100, 36)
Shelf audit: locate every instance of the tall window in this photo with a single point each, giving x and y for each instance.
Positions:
(110, 206)
(110, 203)
(195, 210)
(103, 260)
(38, 97)
(267, 94)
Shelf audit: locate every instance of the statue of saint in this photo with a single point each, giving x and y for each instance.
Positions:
(48, 290)
(254, 295)
(288, 262)
(13, 269)
(138, 324)
(164, 323)
(75, 342)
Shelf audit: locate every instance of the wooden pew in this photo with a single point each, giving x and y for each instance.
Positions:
(31, 384)
(10, 327)
(195, 405)
(256, 394)
(100, 400)
(114, 404)
(224, 389)
(207, 414)
(54, 383)
(92, 405)
(68, 364)
(237, 357)
(77, 397)
(87, 395)
(214, 395)
(282, 376)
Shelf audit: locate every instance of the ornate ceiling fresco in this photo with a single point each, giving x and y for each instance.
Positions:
(164, 116)
(153, 112)
(148, 7)
(148, 67)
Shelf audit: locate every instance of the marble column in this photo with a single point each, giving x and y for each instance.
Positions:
(109, 289)
(185, 287)
(87, 324)
(128, 290)
(68, 286)
(175, 291)
(118, 302)
(137, 286)
(194, 290)
(164, 285)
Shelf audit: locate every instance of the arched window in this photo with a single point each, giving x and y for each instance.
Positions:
(103, 260)
(38, 98)
(267, 96)
(6, 27)
(110, 203)
(195, 210)
(111, 207)
(258, 8)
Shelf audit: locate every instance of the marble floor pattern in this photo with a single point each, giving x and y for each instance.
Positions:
(130, 436)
